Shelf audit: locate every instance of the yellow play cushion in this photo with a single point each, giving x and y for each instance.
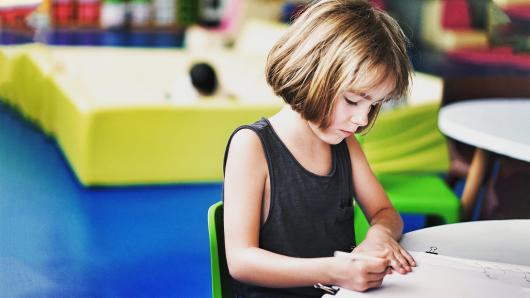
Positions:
(111, 114)
(433, 34)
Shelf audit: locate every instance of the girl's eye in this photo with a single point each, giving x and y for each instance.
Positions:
(353, 103)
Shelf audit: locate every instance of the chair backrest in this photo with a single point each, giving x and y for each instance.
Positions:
(221, 280)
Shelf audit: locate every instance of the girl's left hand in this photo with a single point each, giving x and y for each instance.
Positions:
(379, 239)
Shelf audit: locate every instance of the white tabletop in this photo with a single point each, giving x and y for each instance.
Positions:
(506, 241)
(501, 241)
(497, 125)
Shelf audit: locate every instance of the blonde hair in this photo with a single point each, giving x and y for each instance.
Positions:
(332, 45)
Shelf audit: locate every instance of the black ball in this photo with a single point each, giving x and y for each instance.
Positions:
(203, 78)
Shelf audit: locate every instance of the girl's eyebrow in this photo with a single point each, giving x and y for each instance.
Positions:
(365, 96)
(361, 94)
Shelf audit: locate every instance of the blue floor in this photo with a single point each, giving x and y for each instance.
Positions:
(58, 239)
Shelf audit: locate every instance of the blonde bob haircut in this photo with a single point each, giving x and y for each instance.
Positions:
(332, 45)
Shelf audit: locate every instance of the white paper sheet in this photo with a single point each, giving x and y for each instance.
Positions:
(441, 276)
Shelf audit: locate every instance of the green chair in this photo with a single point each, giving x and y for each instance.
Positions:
(221, 280)
(406, 150)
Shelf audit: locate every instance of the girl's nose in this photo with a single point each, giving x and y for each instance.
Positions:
(360, 119)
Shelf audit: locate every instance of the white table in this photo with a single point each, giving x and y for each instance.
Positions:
(500, 241)
(505, 241)
(494, 125)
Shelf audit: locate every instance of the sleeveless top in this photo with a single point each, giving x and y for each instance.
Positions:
(310, 215)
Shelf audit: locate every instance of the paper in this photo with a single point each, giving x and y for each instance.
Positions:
(441, 276)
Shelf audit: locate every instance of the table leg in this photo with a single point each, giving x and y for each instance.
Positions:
(474, 179)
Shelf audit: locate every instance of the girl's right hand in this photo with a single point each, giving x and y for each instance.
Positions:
(359, 275)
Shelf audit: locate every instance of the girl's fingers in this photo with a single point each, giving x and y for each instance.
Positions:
(402, 263)
(409, 258)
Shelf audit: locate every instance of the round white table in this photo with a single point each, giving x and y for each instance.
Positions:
(494, 125)
(500, 241)
(505, 241)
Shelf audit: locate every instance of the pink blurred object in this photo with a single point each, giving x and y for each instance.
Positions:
(231, 15)
(63, 12)
(379, 4)
(88, 12)
(518, 11)
(501, 56)
(455, 14)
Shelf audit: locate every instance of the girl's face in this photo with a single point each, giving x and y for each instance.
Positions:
(350, 112)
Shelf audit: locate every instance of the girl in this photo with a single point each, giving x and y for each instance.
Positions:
(290, 180)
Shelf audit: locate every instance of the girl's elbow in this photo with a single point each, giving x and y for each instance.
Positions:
(237, 268)
(234, 271)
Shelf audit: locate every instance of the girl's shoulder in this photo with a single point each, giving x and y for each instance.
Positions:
(248, 136)
(245, 138)
(245, 151)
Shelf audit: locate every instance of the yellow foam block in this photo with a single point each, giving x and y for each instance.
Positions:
(109, 111)
(433, 34)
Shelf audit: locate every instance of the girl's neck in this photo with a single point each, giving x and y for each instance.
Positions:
(290, 125)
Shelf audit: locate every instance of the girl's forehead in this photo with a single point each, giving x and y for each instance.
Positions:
(370, 89)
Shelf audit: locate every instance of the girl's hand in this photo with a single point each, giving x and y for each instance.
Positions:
(379, 239)
(359, 275)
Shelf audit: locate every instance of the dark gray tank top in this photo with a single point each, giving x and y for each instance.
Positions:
(310, 215)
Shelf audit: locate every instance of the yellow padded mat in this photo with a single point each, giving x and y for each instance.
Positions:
(109, 111)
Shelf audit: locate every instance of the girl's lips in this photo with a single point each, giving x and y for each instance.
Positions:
(346, 133)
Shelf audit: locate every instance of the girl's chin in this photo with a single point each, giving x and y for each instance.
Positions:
(334, 140)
